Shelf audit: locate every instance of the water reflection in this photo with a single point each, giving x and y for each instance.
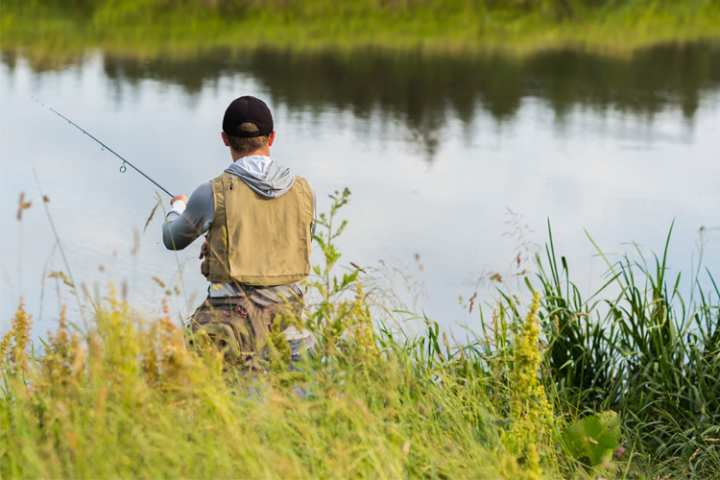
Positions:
(423, 92)
(621, 146)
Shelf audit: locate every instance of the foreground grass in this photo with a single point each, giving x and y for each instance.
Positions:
(129, 401)
(533, 397)
(124, 397)
(152, 28)
(128, 398)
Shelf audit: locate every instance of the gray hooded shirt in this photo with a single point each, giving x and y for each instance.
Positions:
(184, 224)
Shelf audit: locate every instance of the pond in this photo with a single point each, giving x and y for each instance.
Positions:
(456, 164)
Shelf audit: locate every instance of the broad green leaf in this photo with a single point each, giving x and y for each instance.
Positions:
(593, 439)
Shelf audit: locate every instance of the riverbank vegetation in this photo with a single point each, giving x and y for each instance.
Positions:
(618, 384)
(151, 28)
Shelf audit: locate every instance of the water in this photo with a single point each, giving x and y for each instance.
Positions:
(455, 164)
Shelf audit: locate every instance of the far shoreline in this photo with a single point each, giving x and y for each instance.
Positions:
(56, 34)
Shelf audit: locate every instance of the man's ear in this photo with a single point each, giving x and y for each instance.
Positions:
(225, 139)
(271, 138)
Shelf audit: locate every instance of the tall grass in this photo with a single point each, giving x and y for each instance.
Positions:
(128, 397)
(639, 346)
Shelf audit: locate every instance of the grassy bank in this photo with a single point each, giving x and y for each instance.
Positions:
(130, 400)
(148, 28)
(125, 397)
(533, 397)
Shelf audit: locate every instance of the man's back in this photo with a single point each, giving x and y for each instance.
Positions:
(256, 240)
(258, 217)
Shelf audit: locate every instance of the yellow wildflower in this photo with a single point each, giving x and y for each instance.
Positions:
(530, 411)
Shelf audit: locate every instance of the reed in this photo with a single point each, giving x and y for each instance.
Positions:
(642, 346)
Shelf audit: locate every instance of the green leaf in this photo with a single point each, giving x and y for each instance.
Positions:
(593, 439)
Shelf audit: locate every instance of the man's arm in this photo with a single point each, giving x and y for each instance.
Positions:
(184, 224)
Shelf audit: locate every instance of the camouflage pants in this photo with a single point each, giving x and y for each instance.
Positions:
(248, 332)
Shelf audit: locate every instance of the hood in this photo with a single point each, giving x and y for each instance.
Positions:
(263, 175)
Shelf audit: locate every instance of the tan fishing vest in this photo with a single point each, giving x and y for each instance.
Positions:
(259, 241)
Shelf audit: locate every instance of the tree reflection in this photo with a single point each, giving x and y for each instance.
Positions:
(423, 91)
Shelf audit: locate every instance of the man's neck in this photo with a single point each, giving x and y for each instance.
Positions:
(264, 152)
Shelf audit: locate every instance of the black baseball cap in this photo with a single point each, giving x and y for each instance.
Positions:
(248, 109)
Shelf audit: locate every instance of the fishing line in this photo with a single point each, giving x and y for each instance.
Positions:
(125, 162)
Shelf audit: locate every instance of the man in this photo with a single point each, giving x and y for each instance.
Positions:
(258, 217)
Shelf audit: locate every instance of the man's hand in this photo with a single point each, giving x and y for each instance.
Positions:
(178, 203)
(179, 198)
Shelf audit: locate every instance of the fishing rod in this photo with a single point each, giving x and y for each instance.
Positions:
(126, 163)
